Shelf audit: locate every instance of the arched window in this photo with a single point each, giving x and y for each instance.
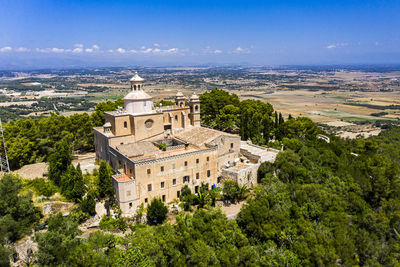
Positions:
(138, 87)
(196, 108)
(125, 124)
(134, 87)
(181, 104)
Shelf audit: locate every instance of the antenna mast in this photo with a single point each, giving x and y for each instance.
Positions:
(5, 166)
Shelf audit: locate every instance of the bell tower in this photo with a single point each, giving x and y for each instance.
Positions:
(136, 82)
(179, 99)
(194, 115)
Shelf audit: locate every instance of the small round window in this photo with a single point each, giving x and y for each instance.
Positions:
(149, 123)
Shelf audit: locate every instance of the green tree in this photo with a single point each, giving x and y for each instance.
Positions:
(185, 191)
(72, 185)
(18, 215)
(58, 242)
(59, 161)
(156, 212)
(88, 204)
(97, 250)
(105, 181)
(212, 104)
(230, 190)
(133, 257)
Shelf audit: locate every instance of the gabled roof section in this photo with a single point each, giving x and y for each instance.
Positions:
(201, 135)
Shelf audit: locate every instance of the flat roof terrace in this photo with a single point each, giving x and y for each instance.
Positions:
(168, 153)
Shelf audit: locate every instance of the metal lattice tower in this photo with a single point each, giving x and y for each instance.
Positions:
(5, 166)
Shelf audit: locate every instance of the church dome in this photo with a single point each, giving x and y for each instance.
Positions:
(136, 78)
(137, 95)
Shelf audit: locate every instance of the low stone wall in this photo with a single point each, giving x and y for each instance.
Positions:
(244, 176)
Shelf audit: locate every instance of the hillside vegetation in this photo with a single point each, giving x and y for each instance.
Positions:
(318, 204)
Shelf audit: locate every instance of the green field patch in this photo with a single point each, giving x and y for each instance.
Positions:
(365, 120)
(325, 112)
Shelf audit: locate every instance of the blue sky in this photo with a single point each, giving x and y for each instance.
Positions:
(88, 33)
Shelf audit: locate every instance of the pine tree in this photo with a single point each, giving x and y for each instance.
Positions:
(156, 212)
(59, 161)
(88, 204)
(72, 185)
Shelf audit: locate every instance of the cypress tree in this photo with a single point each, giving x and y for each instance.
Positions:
(105, 181)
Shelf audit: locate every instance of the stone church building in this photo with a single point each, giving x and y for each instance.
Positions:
(155, 151)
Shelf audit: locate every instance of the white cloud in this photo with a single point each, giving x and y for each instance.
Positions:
(57, 50)
(22, 49)
(333, 46)
(208, 50)
(241, 50)
(95, 48)
(172, 51)
(121, 50)
(146, 51)
(156, 45)
(50, 50)
(77, 50)
(6, 49)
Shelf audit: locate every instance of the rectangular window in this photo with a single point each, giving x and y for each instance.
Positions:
(231, 145)
(174, 181)
(185, 163)
(162, 184)
(196, 189)
(208, 173)
(178, 193)
(162, 168)
(197, 176)
(149, 187)
(163, 198)
(145, 200)
(130, 205)
(186, 179)
(219, 179)
(197, 161)
(208, 158)
(148, 171)
(125, 124)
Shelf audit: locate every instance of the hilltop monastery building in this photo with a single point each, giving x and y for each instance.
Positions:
(155, 151)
